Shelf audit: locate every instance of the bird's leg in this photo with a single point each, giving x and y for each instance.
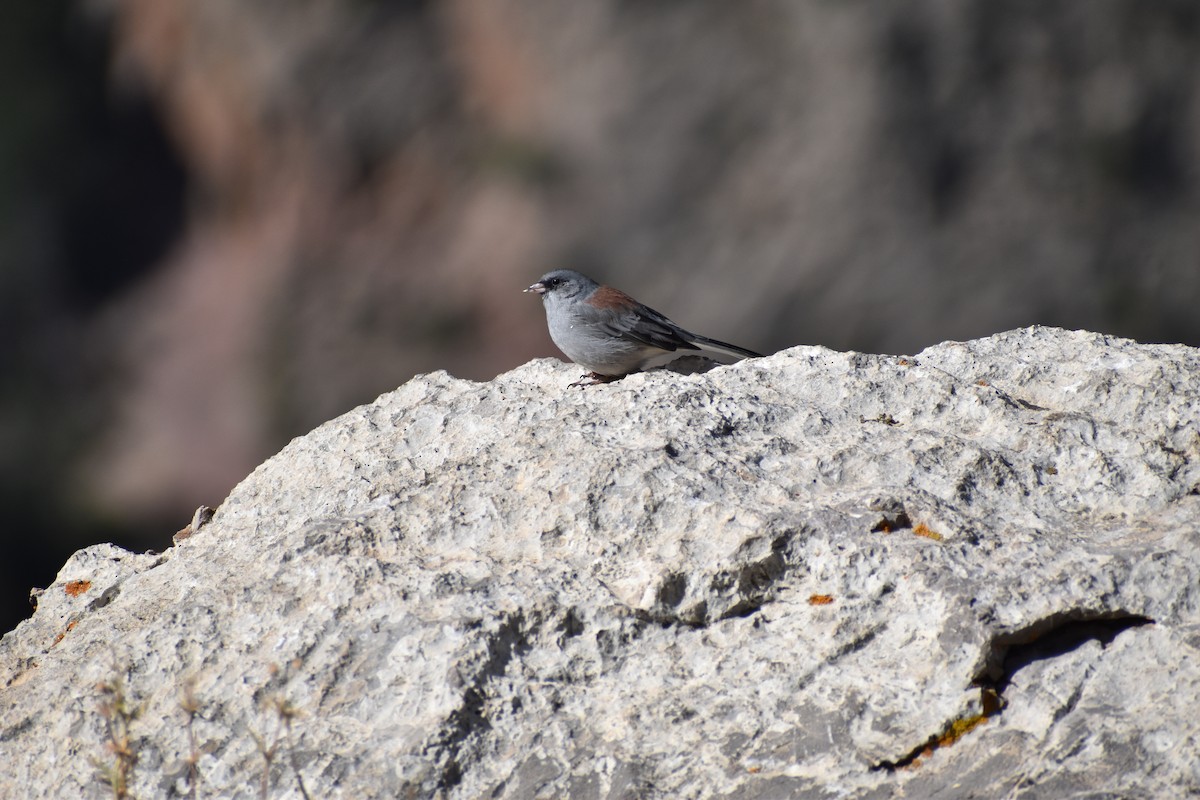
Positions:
(591, 379)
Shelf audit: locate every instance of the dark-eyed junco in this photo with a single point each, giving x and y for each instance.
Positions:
(610, 334)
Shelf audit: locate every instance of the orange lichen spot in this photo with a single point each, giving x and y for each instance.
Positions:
(917, 759)
(76, 588)
(891, 523)
(990, 704)
(921, 529)
(954, 731)
(982, 382)
(754, 770)
(960, 728)
(904, 362)
(820, 599)
(70, 627)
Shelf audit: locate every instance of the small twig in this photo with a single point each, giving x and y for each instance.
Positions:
(285, 712)
(118, 713)
(191, 707)
(268, 754)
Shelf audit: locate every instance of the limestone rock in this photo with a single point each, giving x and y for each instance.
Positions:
(970, 572)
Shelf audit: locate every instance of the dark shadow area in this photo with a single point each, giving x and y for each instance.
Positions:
(1062, 639)
(91, 198)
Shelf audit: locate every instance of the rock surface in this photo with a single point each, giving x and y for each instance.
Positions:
(970, 573)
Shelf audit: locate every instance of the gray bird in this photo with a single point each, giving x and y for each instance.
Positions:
(610, 334)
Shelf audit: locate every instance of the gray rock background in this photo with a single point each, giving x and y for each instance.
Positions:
(974, 572)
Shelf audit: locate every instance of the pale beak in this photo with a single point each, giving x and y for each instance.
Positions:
(537, 288)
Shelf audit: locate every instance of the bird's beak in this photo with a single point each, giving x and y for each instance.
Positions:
(537, 288)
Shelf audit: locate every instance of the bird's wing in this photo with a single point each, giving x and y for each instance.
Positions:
(647, 327)
(617, 314)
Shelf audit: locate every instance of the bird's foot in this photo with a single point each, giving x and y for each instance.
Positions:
(591, 379)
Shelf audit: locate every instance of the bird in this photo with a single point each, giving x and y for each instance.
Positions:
(611, 335)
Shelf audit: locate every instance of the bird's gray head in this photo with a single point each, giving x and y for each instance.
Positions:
(563, 284)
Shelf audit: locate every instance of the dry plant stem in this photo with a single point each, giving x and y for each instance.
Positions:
(287, 732)
(284, 713)
(268, 754)
(191, 707)
(118, 714)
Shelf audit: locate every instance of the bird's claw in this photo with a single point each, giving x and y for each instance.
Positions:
(591, 379)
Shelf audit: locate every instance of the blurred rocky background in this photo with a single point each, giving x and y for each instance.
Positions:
(223, 222)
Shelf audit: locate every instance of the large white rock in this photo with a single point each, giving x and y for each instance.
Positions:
(972, 572)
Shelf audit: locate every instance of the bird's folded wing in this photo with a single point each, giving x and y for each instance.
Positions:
(649, 328)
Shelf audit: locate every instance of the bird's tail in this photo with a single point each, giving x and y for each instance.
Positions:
(723, 351)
